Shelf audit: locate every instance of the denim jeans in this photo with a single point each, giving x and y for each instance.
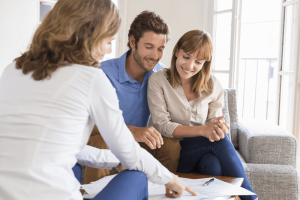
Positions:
(217, 158)
(127, 185)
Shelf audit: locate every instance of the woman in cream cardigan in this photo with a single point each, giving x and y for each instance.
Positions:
(186, 103)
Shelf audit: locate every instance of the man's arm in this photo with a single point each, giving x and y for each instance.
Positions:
(148, 135)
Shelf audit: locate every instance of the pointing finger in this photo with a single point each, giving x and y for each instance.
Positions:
(188, 189)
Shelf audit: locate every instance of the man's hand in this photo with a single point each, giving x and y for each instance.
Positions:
(148, 135)
(176, 187)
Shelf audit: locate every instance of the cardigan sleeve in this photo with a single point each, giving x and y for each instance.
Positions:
(161, 119)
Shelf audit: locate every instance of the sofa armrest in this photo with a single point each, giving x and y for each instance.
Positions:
(265, 143)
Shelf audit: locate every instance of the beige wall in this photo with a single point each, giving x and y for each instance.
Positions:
(18, 21)
(181, 15)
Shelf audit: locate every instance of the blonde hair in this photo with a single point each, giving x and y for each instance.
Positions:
(70, 33)
(190, 42)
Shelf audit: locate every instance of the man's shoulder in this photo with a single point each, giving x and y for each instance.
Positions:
(110, 67)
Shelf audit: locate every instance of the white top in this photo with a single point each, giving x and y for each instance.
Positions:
(97, 158)
(169, 106)
(45, 124)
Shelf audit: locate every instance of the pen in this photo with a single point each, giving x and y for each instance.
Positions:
(208, 182)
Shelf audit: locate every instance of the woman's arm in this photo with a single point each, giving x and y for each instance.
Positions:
(208, 131)
(162, 120)
(105, 112)
(216, 106)
(97, 158)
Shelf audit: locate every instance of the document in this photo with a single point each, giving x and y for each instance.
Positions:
(217, 190)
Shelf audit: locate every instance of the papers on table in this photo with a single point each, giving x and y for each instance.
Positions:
(217, 190)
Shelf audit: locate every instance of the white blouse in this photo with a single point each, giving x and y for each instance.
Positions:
(45, 124)
(169, 106)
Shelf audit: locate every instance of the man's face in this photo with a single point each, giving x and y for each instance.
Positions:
(149, 50)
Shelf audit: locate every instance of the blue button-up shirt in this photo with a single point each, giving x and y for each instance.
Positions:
(131, 94)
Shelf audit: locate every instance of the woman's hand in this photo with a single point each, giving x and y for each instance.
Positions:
(222, 126)
(176, 187)
(212, 130)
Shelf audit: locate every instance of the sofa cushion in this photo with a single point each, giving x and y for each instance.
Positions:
(231, 108)
(226, 111)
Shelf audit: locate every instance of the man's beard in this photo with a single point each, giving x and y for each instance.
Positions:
(138, 60)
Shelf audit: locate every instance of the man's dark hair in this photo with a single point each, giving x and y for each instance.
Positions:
(147, 21)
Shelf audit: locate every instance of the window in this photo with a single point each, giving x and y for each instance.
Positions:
(222, 41)
(46, 5)
(248, 36)
(288, 64)
(258, 67)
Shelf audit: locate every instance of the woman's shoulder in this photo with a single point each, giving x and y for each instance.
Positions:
(159, 76)
(214, 83)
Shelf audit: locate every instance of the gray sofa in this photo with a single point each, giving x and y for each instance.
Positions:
(267, 152)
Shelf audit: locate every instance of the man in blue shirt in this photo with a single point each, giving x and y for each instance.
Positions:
(129, 75)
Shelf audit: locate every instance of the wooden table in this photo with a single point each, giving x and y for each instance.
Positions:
(232, 180)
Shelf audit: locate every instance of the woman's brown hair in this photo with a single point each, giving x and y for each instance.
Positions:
(70, 33)
(190, 42)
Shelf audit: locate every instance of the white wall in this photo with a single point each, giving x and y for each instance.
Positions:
(181, 16)
(18, 21)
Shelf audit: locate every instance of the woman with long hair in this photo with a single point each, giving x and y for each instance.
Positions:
(51, 97)
(186, 103)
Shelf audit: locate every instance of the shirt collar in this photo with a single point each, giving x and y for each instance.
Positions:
(123, 76)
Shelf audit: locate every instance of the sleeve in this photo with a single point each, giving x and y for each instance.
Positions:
(105, 112)
(216, 105)
(161, 119)
(97, 158)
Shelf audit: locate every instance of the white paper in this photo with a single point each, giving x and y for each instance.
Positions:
(217, 190)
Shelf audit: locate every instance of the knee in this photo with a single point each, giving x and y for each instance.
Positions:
(77, 172)
(137, 178)
(210, 165)
(98, 142)
(224, 142)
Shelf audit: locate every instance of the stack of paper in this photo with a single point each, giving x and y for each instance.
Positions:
(217, 190)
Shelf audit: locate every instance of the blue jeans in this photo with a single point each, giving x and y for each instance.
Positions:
(127, 185)
(217, 158)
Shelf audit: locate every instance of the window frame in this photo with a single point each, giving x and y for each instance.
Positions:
(209, 24)
(294, 127)
(234, 36)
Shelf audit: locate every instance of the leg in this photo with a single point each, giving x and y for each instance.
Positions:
(127, 185)
(93, 174)
(231, 163)
(77, 172)
(210, 165)
(192, 150)
(168, 154)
